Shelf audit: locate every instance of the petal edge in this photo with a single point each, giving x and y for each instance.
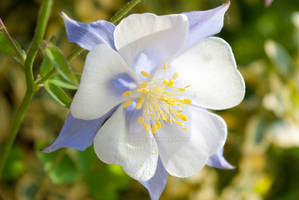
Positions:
(88, 35)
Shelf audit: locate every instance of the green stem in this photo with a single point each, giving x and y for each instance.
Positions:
(15, 128)
(121, 13)
(42, 182)
(33, 49)
(42, 80)
(75, 53)
(31, 85)
(36, 42)
(20, 55)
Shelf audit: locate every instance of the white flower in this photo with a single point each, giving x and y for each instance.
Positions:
(163, 89)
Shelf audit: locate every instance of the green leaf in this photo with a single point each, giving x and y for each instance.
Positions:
(6, 47)
(61, 82)
(14, 165)
(86, 159)
(60, 63)
(103, 181)
(59, 165)
(46, 66)
(279, 56)
(58, 94)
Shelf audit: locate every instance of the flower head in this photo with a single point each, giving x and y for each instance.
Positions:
(156, 80)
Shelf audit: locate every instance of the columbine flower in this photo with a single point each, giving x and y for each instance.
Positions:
(156, 76)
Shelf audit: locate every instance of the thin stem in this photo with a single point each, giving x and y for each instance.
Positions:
(31, 85)
(20, 55)
(37, 40)
(43, 79)
(33, 49)
(15, 128)
(122, 12)
(42, 181)
(74, 54)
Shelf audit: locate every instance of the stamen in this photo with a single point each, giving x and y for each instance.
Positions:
(154, 128)
(146, 126)
(145, 74)
(139, 103)
(182, 116)
(127, 93)
(158, 124)
(161, 101)
(175, 76)
(179, 123)
(140, 120)
(143, 90)
(127, 103)
(171, 83)
(141, 85)
(185, 101)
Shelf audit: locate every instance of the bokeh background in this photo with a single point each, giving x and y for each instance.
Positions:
(263, 141)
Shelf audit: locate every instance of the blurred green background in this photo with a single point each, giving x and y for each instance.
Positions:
(263, 141)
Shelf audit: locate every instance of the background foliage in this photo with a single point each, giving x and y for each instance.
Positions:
(263, 140)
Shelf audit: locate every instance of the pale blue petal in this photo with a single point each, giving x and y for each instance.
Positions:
(87, 35)
(218, 161)
(151, 39)
(144, 62)
(77, 133)
(122, 83)
(157, 183)
(206, 23)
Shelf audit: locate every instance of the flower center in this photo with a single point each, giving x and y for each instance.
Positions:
(161, 100)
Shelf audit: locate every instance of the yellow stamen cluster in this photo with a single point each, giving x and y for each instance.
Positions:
(161, 101)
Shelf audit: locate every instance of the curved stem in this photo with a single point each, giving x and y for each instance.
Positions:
(31, 85)
(15, 128)
(33, 49)
(121, 13)
(37, 40)
(20, 55)
(42, 80)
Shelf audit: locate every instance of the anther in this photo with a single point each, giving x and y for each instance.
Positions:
(154, 128)
(127, 103)
(140, 120)
(146, 126)
(139, 103)
(179, 123)
(185, 101)
(182, 117)
(171, 83)
(143, 90)
(158, 124)
(145, 74)
(143, 84)
(127, 93)
(175, 76)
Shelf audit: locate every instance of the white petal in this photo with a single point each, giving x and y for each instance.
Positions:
(123, 141)
(210, 68)
(185, 152)
(96, 94)
(158, 37)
